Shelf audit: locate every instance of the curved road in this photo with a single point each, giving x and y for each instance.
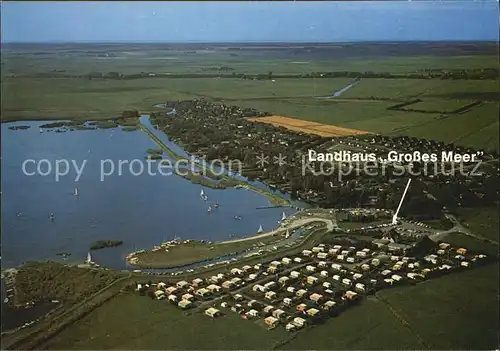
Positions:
(330, 224)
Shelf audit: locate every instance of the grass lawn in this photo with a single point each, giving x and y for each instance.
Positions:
(369, 326)
(133, 322)
(196, 251)
(455, 312)
(483, 221)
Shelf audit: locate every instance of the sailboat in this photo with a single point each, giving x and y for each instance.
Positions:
(41, 130)
(216, 205)
(89, 259)
(76, 191)
(52, 216)
(260, 229)
(209, 209)
(283, 217)
(202, 193)
(287, 234)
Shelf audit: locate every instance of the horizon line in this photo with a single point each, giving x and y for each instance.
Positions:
(252, 41)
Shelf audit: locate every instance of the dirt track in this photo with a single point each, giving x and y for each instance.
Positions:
(307, 126)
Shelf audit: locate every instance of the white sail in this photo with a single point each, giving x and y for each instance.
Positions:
(209, 208)
(41, 130)
(283, 217)
(76, 191)
(260, 229)
(202, 193)
(89, 258)
(287, 235)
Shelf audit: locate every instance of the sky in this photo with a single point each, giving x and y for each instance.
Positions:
(248, 21)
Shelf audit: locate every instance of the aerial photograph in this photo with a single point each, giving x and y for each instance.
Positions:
(250, 175)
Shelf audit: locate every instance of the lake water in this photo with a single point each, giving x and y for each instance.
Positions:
(140, 210)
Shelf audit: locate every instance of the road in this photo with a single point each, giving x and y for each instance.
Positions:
(295, 223)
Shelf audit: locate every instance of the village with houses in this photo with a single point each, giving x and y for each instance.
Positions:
(297, 292)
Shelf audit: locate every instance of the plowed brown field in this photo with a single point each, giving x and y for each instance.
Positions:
(298, 125)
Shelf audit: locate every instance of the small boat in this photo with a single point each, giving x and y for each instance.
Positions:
(287, 234)
(283, 217)
(41, 130)
(238, 218)
(216, 205)
(76, 191)
(202, 193)
(89, 258)
(261, 230)
(52, 216)
(209, 209)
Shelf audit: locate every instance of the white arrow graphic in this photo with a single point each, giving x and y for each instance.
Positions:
(395, 217)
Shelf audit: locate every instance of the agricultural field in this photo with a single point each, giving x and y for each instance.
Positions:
(484, 221)
(307, 127)
(462, 305)
(30, 89)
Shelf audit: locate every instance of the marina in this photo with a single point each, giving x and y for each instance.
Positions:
(106, 206)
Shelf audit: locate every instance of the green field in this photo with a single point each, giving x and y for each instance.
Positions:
(484, 222)
(133, 322)
(28, 94)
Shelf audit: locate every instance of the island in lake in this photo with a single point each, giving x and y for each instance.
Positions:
(101, 244)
